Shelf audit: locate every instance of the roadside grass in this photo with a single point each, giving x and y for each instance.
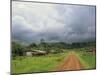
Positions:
(37, 63)
(88, 60)
(24, 64)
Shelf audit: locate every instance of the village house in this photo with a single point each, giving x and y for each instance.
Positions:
(35, 53)
(93, 51)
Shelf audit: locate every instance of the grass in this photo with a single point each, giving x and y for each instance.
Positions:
(37, 64)
(88, 60)
(50, 62)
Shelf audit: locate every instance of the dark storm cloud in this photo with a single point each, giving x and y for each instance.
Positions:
(52, 22)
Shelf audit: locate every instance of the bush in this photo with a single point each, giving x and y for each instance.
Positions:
(17, 49)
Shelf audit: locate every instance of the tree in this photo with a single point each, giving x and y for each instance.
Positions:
(33, 45)
(17, 49)
(42, 40)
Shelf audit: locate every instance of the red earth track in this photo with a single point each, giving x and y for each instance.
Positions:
(70, 63)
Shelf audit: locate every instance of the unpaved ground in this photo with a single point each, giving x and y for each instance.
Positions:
(70, 63)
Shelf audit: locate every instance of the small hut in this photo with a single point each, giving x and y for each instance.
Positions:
(92, 51)
(35, 53)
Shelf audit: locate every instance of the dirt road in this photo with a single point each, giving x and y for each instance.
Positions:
(70, 63)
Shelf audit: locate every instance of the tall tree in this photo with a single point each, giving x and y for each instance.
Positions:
(17, 49)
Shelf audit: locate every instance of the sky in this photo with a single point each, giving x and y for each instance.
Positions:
(32, 22)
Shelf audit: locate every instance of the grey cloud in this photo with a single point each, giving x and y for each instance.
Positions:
(71, 23)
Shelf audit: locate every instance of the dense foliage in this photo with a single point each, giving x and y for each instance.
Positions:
(17, 49)
(53, 47)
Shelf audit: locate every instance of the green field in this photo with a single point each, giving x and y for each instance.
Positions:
(50, 62)
(88, 60)
(37, 64)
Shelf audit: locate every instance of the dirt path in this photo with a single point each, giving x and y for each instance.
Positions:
(70, 63)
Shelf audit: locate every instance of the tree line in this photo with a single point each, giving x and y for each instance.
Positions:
(54, 47)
